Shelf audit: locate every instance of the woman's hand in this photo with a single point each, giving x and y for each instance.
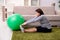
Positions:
(24, 24)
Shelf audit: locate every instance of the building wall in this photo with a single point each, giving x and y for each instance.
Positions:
(46, 2)
(12, 3)
(21, 2)
(16, 2)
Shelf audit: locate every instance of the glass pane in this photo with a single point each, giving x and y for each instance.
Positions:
(1, 1)
(34, 2)
(59, 6)
(59, 1)
(26, 2)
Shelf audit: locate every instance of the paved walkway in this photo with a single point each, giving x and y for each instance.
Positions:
(5, 32)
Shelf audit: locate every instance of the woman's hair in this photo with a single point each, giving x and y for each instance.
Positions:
(39, 11)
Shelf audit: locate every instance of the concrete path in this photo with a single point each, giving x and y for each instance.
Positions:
(5, 32)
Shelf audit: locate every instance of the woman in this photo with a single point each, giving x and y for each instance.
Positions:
(39, 16)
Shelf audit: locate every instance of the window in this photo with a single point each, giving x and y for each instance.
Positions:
(59, 4)
(32, 2)
(35, 2)
(1, 1)
(59, 1)
(25, 2)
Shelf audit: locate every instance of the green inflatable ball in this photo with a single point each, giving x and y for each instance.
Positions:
(14, 21)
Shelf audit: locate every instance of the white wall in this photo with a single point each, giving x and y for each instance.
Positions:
(11, 3)
(46, 2)
(16, 2)
(21, 2)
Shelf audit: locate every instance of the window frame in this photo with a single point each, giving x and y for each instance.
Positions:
(38, 3)
(30, 3)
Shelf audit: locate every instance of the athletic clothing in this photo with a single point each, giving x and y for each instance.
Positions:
(45, 25)
(42, 29)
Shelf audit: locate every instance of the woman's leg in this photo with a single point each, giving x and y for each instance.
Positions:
(30, 30)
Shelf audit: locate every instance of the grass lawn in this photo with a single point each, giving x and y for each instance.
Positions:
(55, 35)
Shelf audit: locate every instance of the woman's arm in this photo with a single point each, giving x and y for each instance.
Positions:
(33, 20)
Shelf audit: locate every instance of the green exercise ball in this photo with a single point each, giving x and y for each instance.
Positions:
(14, 21)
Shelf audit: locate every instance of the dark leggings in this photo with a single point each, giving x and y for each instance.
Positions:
(42, 29)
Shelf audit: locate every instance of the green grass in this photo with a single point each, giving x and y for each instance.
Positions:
(55, 35)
